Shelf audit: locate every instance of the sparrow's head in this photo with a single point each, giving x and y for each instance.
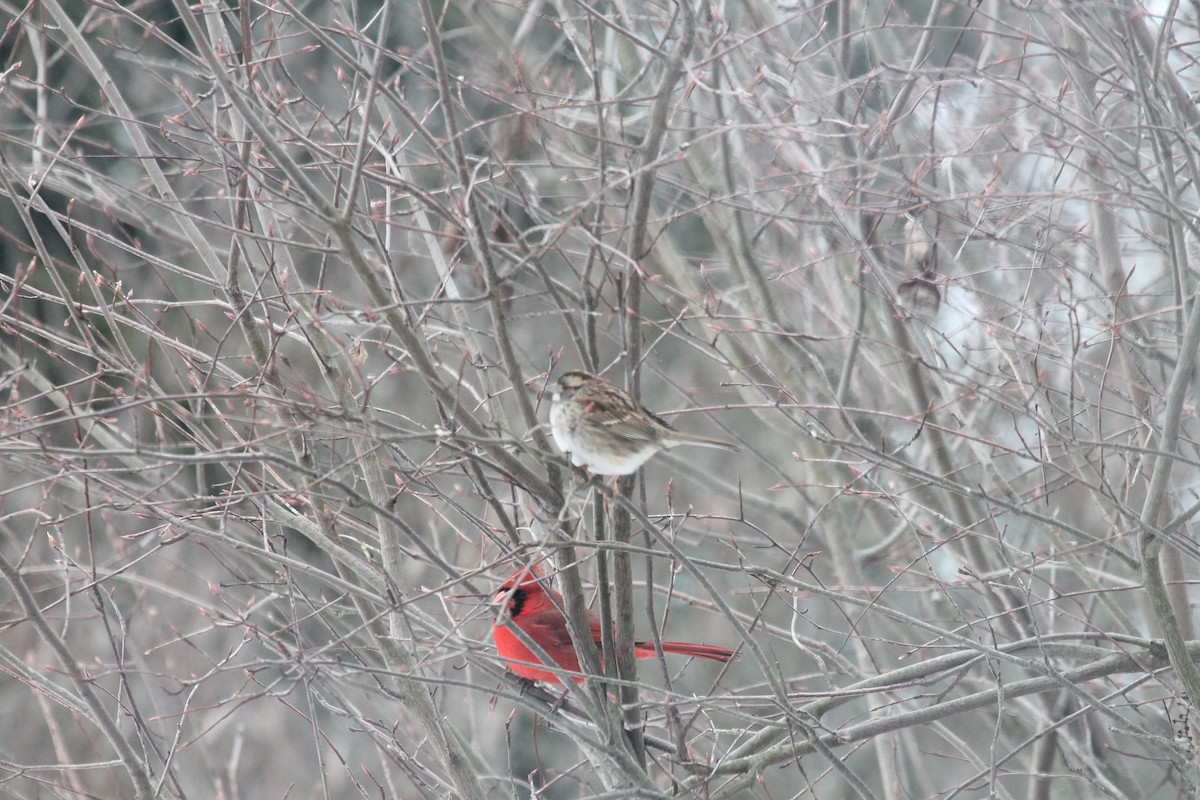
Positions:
(570, 382)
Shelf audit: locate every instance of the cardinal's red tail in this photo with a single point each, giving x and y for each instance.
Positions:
(709, 651)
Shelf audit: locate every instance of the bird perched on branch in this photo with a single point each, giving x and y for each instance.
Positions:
(602, 428)
(526, 604)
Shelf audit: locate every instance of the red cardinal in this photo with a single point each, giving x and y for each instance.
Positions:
(535, 610)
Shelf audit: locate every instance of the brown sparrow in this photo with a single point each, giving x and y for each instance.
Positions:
(603, 429)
